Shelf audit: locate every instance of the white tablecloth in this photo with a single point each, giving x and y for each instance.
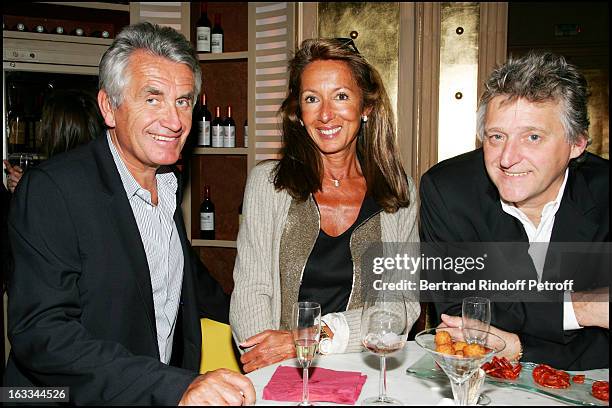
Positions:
(408, 388)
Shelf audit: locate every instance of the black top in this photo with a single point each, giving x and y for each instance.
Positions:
(328, 274)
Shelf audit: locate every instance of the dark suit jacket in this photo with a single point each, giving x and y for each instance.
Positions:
(459, 203)
(80, 300)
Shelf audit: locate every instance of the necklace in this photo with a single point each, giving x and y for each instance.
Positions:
(336, 182)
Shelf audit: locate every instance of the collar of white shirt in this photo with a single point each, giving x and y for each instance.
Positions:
(544, 230)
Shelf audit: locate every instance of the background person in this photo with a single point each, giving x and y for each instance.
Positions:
(104, 296)
(69, 118)
(531, 182)
(309, 217)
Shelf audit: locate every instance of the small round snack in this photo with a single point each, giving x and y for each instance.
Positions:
(459, 346)
(443, 337)
(459, 353)
(473, 350)
(445, 349)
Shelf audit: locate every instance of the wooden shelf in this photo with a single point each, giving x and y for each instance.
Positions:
(91, 5)
(242, 55)
(221, 150)
(213, 243)
(56, 38)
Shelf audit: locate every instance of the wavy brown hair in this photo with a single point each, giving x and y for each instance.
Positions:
(69, 118)
(300, 170)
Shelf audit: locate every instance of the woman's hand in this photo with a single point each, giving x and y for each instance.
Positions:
(269, 347)
(14, 175)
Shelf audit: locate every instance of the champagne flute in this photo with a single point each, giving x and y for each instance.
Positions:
(476, 319)
(306, 330)
(475, 323)
(383, 332)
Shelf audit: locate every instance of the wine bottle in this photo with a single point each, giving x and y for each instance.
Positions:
(246, 133)
(204, 118)
(217, 129)
(207, 216)
(217, 36)
(229, 136)
(39, 28)
(240, 215)
(78, 32)
(203, 30)
(59, 30)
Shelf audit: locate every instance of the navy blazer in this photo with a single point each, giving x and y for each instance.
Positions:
(459, 203)
(80, 300)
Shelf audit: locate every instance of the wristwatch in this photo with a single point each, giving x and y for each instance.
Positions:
(325, 340)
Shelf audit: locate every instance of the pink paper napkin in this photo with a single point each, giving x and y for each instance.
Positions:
(341, 387)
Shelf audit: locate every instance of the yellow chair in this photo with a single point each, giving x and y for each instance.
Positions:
(217, 347)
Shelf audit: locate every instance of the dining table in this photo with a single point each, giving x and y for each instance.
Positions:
(408, 388)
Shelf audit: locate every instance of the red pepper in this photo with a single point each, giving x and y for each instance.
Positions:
(601, 390)
(547, 376)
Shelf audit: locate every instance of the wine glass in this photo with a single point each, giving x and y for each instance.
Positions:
(383, 332)
(306, 330)
(459, 369)
(476, 319)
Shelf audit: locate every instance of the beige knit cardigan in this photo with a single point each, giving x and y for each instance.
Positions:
(256, 300)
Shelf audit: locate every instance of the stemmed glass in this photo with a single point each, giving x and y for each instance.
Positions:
(459, 369)
(383, 332)
(476, 320)
(306, 331)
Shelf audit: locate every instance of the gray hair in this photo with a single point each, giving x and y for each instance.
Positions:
(540, 77)
(161, 41)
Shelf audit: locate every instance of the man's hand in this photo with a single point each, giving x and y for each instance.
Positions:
(219, 387)
(513, 343)
(270, 346)
(14, 175)
(591, 307)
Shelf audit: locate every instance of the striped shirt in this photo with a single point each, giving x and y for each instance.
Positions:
(162, 247)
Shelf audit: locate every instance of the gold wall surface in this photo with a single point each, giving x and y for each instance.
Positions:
(378, 40)
(599, 129)
(459, 36)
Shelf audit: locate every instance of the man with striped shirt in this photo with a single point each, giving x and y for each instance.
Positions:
(106, 292)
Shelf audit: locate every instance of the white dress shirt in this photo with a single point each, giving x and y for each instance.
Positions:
(162, 247)
(541, 234)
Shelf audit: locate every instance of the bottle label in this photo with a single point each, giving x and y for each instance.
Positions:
(218, 134)
(203, 133)
(230, 136)
(217, 43)
(246, 136)
(203, 39)
(207, 221)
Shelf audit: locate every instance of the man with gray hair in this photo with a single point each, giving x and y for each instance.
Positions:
(531, 182)
(106, 294)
